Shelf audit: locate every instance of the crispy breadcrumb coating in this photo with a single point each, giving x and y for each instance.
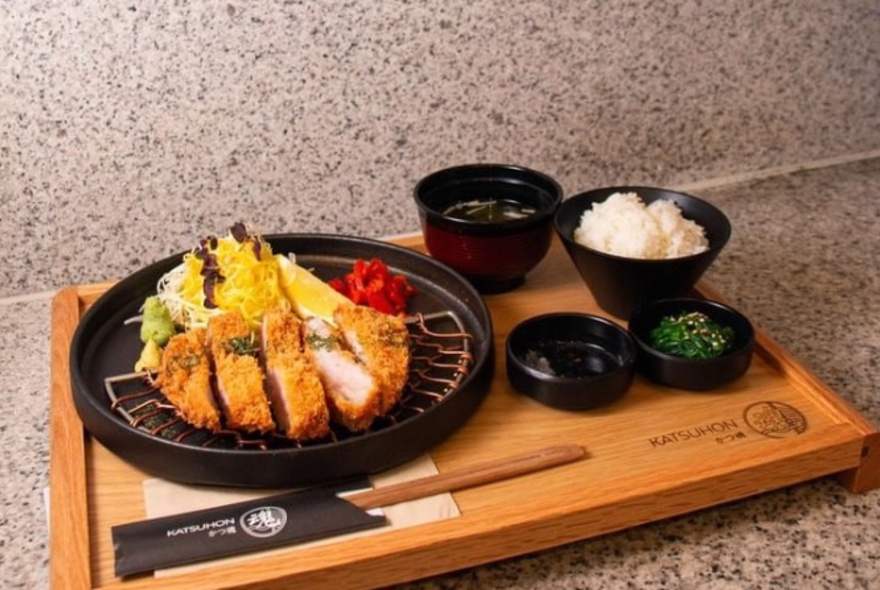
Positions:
(381, 342)
(185, 379)
(292, 380)
(239, 375)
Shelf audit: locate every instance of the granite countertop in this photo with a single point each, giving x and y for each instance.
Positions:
(802, 264)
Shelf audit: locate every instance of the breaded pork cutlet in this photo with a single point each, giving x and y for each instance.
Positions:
(352, 392)
(381, 342)
(185, 379)
(238, 372)
(292, 380)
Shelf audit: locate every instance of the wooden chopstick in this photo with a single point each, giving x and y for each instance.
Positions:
(466, 477)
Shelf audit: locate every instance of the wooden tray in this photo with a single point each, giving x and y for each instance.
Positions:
(657, 453)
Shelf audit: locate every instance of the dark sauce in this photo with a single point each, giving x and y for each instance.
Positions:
(571, 359)
(490, 210)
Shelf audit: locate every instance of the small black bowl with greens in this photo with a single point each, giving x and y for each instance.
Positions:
(690, 343)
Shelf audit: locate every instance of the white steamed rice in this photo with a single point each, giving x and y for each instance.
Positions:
(622, 225)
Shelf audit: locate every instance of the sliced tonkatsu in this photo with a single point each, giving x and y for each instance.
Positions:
(292, 380)
(352, 392)
(185, 379)
(238, 374)
(381, 342)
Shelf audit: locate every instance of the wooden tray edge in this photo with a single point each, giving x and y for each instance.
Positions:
(69, 542)
(866, 476)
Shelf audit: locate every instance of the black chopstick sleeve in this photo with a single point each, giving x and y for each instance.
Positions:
(284, 519)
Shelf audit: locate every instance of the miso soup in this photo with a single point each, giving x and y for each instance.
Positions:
(490, 210)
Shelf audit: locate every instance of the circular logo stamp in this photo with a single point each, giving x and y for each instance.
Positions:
(264, 521)
(775, 419)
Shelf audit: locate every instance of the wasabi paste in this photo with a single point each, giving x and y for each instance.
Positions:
(157, 324)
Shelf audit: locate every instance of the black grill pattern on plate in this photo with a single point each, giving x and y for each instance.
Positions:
(440, 359)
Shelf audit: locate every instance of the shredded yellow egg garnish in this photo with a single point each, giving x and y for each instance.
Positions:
(248, 284)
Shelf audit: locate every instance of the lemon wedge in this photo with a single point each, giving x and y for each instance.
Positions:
(309, 296)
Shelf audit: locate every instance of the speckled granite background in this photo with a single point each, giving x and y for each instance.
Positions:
(24, 442)
(130, 129)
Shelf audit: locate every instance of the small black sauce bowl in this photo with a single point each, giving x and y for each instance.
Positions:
(622, 285)
(692, 374)
(602, 373)
(493, 256)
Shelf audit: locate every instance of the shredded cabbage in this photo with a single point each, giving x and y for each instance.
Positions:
(249, 284)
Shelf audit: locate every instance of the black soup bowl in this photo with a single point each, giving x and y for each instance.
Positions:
(570, 361)
(700, 374)
(492, 223)
(622, 285)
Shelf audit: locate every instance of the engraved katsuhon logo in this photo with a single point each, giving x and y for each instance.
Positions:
(265, 521)
(719, 430)
(775, 419)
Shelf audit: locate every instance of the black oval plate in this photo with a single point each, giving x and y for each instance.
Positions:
(103, 345)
